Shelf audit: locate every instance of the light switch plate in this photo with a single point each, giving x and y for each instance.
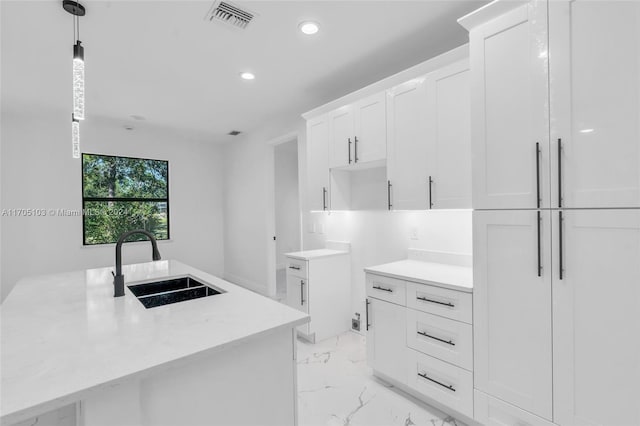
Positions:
(321, 228)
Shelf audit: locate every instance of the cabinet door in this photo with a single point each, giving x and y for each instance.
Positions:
(318, 164)
(370, 139)
(509, 98)
(512, 307)
(450, 130)
(408, 148)
(491, 411)
(341, 132)
(298, 297)
(596, 314)
(595, 94)
(386, 338)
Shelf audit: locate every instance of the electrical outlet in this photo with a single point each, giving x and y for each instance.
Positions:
(355, 322)
(413, 233)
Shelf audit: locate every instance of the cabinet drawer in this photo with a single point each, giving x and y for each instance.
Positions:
(297, 267)
(447, 303)
(445, 339)
(445, 383)
(385, 288)
(494, 412)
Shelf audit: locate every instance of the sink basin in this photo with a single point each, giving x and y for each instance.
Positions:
(173, 290)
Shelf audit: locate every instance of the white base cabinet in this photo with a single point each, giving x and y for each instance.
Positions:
(428, 354)
(321, 287)
(386, 340)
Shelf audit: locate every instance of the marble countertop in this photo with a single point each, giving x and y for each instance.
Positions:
(314, 254)
(65, 335)
(439, 274)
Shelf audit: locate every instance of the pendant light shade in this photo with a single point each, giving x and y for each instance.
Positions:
(78, 81)
(75, 137)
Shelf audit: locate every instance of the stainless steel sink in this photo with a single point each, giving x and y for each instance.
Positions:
(172, 290)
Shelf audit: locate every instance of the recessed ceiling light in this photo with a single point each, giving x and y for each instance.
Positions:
(309, 27)
(586, 130)
(247, 75)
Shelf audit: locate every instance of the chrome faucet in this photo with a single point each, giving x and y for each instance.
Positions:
(118, 278)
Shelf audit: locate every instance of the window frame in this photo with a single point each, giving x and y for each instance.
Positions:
(123, 199)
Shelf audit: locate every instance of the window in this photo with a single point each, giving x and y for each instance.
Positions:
(120, 194)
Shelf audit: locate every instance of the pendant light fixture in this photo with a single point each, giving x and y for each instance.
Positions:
(77, 10)
(75, 137)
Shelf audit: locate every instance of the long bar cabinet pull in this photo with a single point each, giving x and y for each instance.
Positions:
(539, 248)
(301, 292)
(389, 205)
(560, 244)
(559, 172)
(383, 289)
(424, 376)
(324, 198)
(297, 268)
(367, 313)
(424, 299)
(349, 149)
(538, 174)
(448, 342)
(355, 149)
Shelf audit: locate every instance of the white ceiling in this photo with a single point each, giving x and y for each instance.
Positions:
(163, 61)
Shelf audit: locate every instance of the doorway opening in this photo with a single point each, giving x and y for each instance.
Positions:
(286, 210)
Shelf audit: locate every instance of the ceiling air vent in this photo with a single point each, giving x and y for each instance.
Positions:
(234, 133)
(230, 14)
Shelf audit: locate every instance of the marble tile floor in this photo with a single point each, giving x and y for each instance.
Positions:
(336, 388)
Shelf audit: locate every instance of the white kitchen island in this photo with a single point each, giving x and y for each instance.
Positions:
(74, 354)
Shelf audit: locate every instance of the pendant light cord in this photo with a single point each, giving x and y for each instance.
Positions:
(76, 28)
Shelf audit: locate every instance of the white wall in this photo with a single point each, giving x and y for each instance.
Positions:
(287, 205)
(379, 237)
(38, 172)
(249, 205)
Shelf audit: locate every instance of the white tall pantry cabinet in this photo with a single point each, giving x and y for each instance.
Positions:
(556, 168)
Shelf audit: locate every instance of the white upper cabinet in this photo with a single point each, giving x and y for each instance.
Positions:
(410, 156)
(596, 317)
(595, 102)
(448, 114)
(509, 116)
(370, 136)
(357, 133)
(512, 307)
(341, 134)
(318, 163)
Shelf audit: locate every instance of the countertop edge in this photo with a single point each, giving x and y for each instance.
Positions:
(450, 286)
(308, 258)
(53, 404)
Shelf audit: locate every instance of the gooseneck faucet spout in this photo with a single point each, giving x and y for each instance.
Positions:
(118, 278)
